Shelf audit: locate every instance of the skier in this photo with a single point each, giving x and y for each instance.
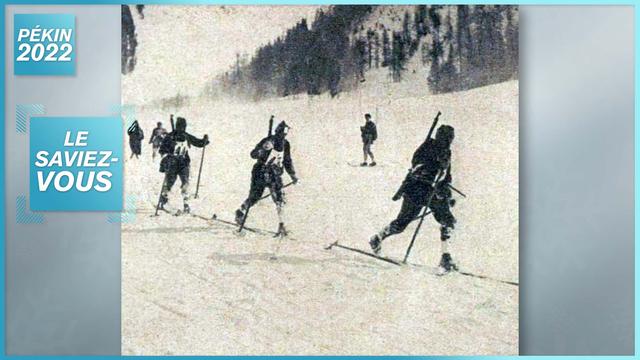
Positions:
(430, 172)
(156, 138)
(135, 139)
(369, 134)
(273, 157)
(176, 161)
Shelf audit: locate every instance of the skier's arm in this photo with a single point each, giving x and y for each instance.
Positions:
(288, 163)
(447, 177)
(197, 142)
(153, 136)
(260, 150)
(419, 155)
(165, 146)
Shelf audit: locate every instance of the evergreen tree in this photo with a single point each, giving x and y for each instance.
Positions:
(129, 42)
(370, 36)
(386, 48)
(436, 48)
(398, 57)
(464, 41)
(376, 44)
(511, 39)
(419, 19)
(359, 57)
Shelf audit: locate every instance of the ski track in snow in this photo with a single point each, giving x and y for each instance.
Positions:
(194, 287)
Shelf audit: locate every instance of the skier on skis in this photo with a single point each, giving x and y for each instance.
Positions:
(176, 161)
(135, 139)
(156, 138)
(430, 172)
(369, 134)
(273, 157)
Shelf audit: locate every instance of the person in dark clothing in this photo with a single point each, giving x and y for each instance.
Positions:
(273, 157)
(176, 161)
(135, 139)
(156, 138)
(369, 134)
(427, 184)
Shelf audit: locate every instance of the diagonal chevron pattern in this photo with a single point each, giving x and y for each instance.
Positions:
(23, 215)
(128, 215)
(127, 112)
(24, 112)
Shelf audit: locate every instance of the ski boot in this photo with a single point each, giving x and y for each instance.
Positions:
(446, 264)
(163, 201)
(363, 164)
(186, 209)
(239, 216)
(373, 164)
(282, 231)
(376, 244)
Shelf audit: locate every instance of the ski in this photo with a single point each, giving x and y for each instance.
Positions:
(180, 213)
(163, 209)
(434, 271)
(385, 259)
(233, 224)
(484, 277)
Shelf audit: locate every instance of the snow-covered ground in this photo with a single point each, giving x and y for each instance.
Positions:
(195, 287)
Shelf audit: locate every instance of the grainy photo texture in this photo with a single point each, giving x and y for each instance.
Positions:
(320, 180)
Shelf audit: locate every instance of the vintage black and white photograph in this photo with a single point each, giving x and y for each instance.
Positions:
(320, 180)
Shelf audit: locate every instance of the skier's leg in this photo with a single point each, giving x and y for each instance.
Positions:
(184, 188)
(442, 214)
(364, 153)
(255, 193)
(168, 184)
(408, 211)
(277, 194)
(373, 159)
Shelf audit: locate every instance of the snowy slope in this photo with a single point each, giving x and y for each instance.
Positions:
(194, 287)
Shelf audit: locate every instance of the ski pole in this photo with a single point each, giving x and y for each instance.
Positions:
(421, 216)
(456, 190)
(424, 214)
(160, 196)
(269, 194)
(244, 219)
(199, 172)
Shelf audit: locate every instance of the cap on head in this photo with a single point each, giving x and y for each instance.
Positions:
(445, 135)
(159, 123)
(181, 124)
(367, 116)
(282, 128)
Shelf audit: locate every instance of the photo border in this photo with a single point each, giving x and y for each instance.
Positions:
(634, 3)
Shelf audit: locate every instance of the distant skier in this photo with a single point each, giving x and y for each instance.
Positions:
(369, 134)
(176, 161)
(156, 138)
(273, 157)
(135, 139)
(430, 171)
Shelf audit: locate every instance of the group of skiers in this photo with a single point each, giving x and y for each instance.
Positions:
(136, 135)
(427, 185)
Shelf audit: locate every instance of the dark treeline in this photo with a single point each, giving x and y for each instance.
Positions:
(462, 46)
(306, 59)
